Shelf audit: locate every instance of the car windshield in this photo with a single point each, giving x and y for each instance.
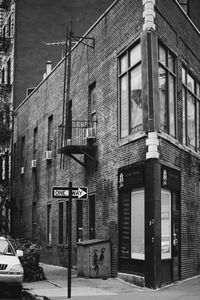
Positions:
(6, 248)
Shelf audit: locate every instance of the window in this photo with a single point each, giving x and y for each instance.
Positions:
(191, 112)
(165, 224)
(79, 220)
(8, 72)
(9, 26)
(91, 201)
(14, 160)
(50, 133)
(69, 120)
(92, 97)
(167, 88)
(23, 151)
(130, 83)
(137, 224)
(49, 224)
(60, 237)
(35, 135)
(67, 226)
(3, 76)
(34, 221)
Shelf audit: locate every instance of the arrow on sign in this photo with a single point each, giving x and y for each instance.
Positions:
(63, 192)
(78, 193)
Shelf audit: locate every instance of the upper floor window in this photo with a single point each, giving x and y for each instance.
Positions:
(92, 97)
(167, 89)
(23, 151)
(8, 72)
(35, 142)
(191, 110)
(50, 133)
(130, 84)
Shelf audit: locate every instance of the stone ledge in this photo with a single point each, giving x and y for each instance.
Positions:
(132, 278)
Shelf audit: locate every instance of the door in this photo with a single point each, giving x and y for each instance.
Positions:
(92, 217)
(176, 236)
(170, 231)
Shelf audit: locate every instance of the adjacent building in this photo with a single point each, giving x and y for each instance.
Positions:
(128, 129)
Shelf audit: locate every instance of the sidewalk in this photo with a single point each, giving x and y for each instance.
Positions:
(55, 288)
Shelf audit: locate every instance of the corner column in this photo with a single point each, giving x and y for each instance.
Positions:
(152, 213)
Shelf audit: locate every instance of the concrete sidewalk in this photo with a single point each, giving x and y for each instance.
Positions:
(55, 288)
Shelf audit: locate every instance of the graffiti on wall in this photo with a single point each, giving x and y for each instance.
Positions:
(98, 260)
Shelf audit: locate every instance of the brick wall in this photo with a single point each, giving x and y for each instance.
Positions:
(114, 32)
(183, 39)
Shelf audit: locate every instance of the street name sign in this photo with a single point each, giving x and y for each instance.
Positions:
(63, 192)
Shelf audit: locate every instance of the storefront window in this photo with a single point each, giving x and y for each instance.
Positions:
(165, 224)
(137, 224)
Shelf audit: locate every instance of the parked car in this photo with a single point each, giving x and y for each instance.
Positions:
(11, 270)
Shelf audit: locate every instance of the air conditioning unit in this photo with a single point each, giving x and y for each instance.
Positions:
(33, 163)
(22, 170)
(48, 155)
(90, 133)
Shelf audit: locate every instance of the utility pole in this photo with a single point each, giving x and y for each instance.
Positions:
(70, 183)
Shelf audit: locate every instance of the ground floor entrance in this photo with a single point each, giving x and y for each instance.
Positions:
(149, 222)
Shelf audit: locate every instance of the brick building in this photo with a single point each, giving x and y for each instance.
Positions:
(32, 33)
(132, 136)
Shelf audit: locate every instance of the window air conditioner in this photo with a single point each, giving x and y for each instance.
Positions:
(22, 170)
(33, 163)
(90, 133)
(48, 155)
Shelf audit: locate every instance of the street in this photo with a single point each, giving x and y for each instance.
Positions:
(8, 294)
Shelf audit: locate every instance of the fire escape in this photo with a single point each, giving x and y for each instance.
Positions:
(4, 30)
(76, 137)
(5, 42)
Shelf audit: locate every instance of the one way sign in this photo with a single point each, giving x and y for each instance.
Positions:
(63, 192)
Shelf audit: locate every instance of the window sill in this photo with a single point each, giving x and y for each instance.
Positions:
(130, 138)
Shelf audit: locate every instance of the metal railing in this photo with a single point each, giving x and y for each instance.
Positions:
(5, 4)
(76, 133)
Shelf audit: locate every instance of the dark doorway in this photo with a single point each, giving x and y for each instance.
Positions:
(92, 217)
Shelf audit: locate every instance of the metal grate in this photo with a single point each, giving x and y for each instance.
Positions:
(3, 266)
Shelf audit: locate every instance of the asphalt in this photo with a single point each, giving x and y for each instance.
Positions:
(55, 288)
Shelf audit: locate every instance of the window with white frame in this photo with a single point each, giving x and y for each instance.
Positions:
(165, 224)
(130, 84)
(137, 224)
(191, 110)
(167, 90)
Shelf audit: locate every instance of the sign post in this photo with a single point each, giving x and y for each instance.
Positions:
(69, 240)
(69, 193)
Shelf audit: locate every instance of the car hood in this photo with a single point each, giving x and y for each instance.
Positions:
(9, 260)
